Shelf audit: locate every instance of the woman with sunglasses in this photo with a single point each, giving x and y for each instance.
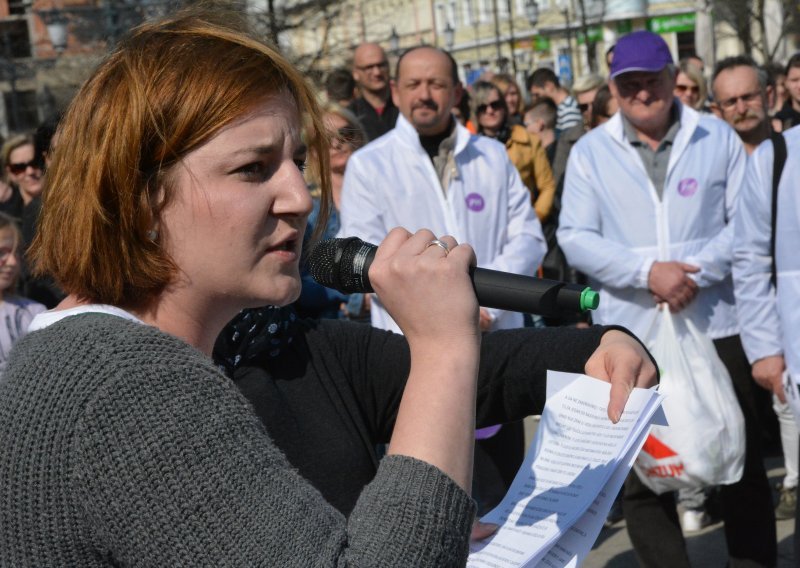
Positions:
(524, 148)
(23, 175)
(346, 135)
(690, 86)
(179, 201)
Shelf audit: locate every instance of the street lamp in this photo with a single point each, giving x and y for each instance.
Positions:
(532, 12)
(474, 17)
(56, 24)
(449, 36)
(394, 41)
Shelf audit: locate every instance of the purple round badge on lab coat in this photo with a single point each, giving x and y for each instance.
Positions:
(475, 202)
(687, 187)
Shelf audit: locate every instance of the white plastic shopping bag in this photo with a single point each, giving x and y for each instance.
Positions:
(704, 442)
(792, 390)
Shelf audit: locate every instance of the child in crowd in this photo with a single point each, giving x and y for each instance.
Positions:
(16, 312)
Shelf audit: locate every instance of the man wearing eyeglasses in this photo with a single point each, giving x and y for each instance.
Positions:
(741, 98)
(766, 268)
(374, 108)
(647, 207)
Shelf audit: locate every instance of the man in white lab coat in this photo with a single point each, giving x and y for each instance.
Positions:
(647, 208)
(772, 312)
(430, 172)
(741, 98)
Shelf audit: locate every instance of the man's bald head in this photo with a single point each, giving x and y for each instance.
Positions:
(371, 68)
(432, 51)
(426, 89)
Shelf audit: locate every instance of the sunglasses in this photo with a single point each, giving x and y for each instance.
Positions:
(20, 168)
(683, 88)
(583, 107)
(345, 137)
(494, 105)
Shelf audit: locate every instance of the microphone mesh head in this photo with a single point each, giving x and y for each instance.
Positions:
(339, 264)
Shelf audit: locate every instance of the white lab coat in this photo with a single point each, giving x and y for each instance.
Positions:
(613, 225)
(391, 182)
(770, 324)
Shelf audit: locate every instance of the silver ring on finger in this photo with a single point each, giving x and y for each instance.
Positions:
(441, 244)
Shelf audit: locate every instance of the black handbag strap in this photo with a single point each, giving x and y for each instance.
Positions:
(779, 159)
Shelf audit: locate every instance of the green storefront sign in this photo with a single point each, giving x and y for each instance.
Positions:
(670, 24)
(595, 34)
(541, 43)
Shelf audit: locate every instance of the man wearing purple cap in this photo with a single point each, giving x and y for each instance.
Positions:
(647, 204)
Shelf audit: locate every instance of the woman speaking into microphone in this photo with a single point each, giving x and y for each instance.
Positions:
(175, 199)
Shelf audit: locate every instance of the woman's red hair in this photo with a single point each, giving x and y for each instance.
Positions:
(168, 88)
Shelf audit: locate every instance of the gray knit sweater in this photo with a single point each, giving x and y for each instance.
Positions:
(121, 445)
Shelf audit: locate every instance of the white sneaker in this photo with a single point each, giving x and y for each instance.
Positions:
(694, 520)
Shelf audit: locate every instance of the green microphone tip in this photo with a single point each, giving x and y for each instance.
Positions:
(590, 299)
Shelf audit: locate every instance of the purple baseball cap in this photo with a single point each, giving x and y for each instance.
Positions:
(640, 51)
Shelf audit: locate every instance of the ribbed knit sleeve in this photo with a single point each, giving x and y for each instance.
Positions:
(168, 465)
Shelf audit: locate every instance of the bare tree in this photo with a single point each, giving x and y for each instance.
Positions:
(750, 22)
(590, 14)
(277, 18)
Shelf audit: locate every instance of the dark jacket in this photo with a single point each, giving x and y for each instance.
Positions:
(332, 394)
(375, 125)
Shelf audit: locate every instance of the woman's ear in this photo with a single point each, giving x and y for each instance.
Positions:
(152, 202)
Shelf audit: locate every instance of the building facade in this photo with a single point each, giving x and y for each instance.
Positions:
(570, 36)
(49, 47)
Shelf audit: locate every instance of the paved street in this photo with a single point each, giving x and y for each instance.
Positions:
(706, 548)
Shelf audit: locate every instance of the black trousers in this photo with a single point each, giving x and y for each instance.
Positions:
(747, 507)
(497, 460)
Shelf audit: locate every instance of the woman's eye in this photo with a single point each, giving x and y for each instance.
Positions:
(301, 165)
(255, 171)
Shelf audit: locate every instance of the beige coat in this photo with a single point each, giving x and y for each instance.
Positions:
(528, 155)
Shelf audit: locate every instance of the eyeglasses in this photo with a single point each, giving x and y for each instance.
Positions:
(583, 107)
(20, 167)
(345, 137)
(747, 98)
(380, 65)
(494, 105)
(683, 88)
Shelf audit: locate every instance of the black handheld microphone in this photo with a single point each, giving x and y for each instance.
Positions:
(343, 264)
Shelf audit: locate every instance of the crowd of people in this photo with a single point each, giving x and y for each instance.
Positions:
(192, 396)
(652, 124)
